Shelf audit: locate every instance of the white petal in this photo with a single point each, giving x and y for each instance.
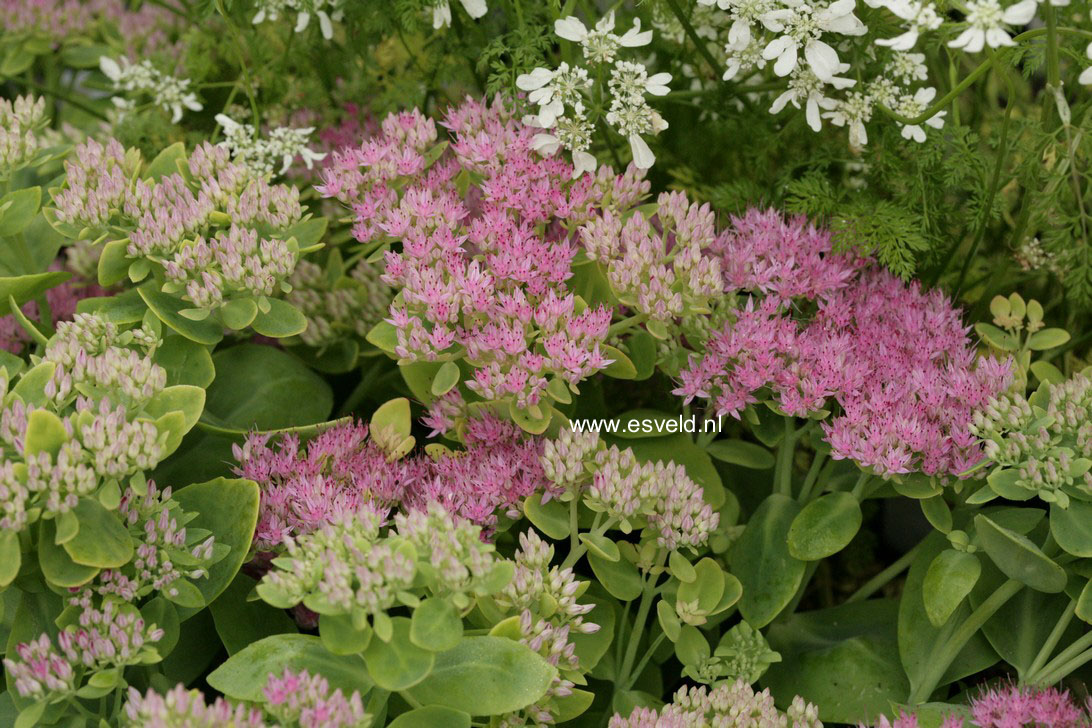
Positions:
(534, 80)
(657, 84)
(643, 158)
(780, 102)
(739, 35)
(1021, 13)
(786, 62)
(259, 17)
(997, 38)
(1085, 77)
(583, 162)
(325, 25)
(110, 67)
(570, 28)
(606, 23)
(302, 21)
(441, 15)
(902, 42)
(822, 58)
(812, 113)
(227, 122)
(474, 8)
(634, 38)
(546, 144)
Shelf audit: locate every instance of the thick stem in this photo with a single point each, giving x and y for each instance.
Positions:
(1052, 640)
(648, 595)
(783, 468)
(950, 647)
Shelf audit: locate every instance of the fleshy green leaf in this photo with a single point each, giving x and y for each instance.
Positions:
(103, 541)
(1018, 557)
(948, 581)
(486, 676)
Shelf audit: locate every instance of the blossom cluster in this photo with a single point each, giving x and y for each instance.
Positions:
(262, 154)
(726, 704)
(291, 699)
(658, 267)
(215, 233)
(341, 471)
(896, 360)
(483, 263)
(353, 565)
(165, 553)
(626, 491)
(99, 385)
(146, 28)
(567, 96)
(21, 134)
(802, 40)
(546, 598)
(114, 635)
(1042, 448)
(1010, 706)
(168, 92)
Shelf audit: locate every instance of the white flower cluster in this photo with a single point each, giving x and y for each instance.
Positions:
(262, 155)
(564, 95)
(328, 12)
(168, 92)
(441, 11)
(803, 40)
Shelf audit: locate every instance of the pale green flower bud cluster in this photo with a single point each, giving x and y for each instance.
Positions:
(96, 359)
(1041, 444)
(351, 565)
(612, 482)
(21, 123)
(727, 704)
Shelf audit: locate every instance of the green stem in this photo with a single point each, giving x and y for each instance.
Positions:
(783, 468)
(1064, 669)
(692, 34)
(643, 662)
(880, 580)
(648, 594)
(812, 477)
(950, 647)
(1063, 657)
(1052, 641)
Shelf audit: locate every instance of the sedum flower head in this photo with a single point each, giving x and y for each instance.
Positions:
(726, 704)
(483, 265)
(21, 124)
(113, 635)
(182, 708)
(305, 700)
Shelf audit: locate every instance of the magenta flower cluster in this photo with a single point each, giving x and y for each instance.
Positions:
(1011, 706)
(484, 225)
(894, 362)
(341, 471)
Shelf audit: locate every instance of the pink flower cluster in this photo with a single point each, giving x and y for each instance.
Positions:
(484, 225)
(1011, 706)
(897, 360)
(112, 636)
(62, 302)
(341, 471)
(305, 700)
(181, 707)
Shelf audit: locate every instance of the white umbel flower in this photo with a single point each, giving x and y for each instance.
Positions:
(601, 45)
(554, 90)
(327, 12)
(801, 25)
(853, 112)
(168, 92)
(987, 21)
(913, 106)
(917, 18)
(283, 145)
